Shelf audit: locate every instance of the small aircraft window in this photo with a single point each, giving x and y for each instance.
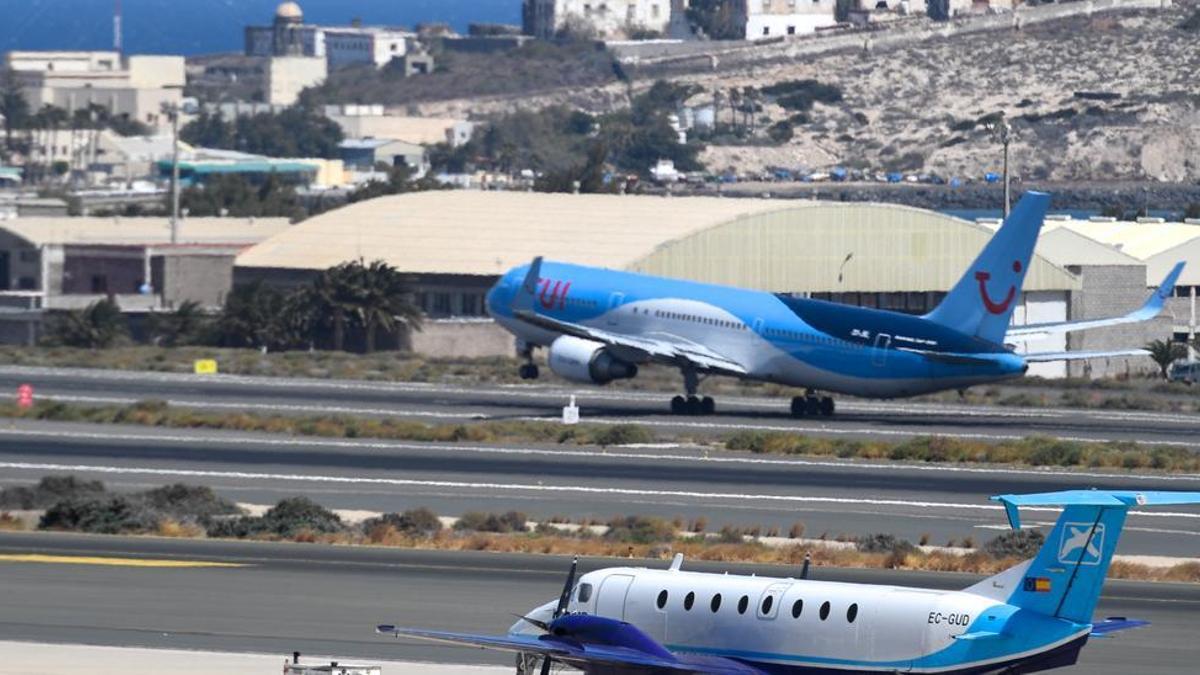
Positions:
(824, 610)
(766, 604)
(716, 602)
(662, 600)
(689, 600)
(797, 607)
(852, 613)
(743, 604)
(585, 593)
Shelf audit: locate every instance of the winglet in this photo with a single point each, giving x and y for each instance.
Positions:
(525, 295)
(1167, 287)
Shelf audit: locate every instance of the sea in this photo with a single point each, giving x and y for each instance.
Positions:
(212, 26)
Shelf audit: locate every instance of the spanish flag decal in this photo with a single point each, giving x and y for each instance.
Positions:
(1037, 584)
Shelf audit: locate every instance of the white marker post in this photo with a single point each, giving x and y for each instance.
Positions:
(571, 412)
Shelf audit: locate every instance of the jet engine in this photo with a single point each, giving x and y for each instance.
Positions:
(586, 361)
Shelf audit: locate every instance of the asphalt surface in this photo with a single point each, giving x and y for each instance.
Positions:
(467, 401)
(320, 599)
(832, 497)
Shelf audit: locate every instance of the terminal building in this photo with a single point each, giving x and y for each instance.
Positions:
(456, 244)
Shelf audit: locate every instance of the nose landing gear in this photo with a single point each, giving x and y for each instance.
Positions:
(529, 369)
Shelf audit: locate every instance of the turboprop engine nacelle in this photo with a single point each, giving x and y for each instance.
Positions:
(586, 361)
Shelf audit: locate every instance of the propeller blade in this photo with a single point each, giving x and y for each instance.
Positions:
(540, 624)
(565, 598)
(546, 665)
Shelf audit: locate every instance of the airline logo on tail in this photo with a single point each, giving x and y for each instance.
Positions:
(991, 305)
(1079, 537)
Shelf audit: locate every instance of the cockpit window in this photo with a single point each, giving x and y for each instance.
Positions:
(585, 593)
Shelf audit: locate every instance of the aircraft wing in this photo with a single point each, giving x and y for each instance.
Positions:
(660, 347)
(1148, 310)
(589, 657)
(1042, 357)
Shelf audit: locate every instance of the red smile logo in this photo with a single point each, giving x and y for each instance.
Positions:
(993, 306)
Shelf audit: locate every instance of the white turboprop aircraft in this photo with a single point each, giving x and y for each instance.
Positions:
(1035, 616)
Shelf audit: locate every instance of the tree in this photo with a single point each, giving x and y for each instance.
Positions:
(99, 326)
(1164, 353)
(385, 302)
(184, 326)
(13, 107)
(298, 131)
(254, 316)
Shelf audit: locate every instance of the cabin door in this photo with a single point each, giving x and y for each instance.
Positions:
(882, 342)
(614, 302)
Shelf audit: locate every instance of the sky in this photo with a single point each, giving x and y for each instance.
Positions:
(206, 26)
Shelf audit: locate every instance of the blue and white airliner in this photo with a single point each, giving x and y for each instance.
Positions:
(1033, 617)
(600, 325)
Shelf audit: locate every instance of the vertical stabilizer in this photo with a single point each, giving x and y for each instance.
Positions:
(982, 302)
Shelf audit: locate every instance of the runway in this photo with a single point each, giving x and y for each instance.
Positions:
(453, 403)
(831, 497)
(320, 599)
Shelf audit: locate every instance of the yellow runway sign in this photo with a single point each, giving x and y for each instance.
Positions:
(113, 562)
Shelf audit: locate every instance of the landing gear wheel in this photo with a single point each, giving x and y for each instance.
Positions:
(812, 406)
(694, 406)
(827, 406)
(799, 406)
(528, 371)
(707, 406)
(678, 405)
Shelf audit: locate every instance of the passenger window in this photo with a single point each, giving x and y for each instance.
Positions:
(689, 600)
(662, 600)
(766, 605)
(852, 613)
(824, 610)
(585, 593)
(716, 602)
(743, 604)
(797, 608)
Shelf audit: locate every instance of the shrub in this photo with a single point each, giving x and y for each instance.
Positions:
(477, 521)
(419, 522)
(111, 515)
(1015, 544)
(188, 502)
(640, 530)
(884, 543)
(623, 434)
(289, 518)
(781, 132)
(48, 491)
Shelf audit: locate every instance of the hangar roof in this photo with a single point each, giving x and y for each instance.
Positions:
(1064, 246)
(143, 231)
(792, 246)
(1140, 240)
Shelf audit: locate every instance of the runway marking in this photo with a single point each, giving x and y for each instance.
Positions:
(110, 562)
(606, 453)
(283, 407)
(518, 487)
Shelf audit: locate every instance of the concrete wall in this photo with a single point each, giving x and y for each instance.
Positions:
(462, 338)
(1043, 307)
(287, 76)
(1112, 290)
(205, 279)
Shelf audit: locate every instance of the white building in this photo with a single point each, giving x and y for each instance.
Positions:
(602, 18)
(288, 35)
(775, 18)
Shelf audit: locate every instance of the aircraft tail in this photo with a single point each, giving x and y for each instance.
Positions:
(982, 301)
(1065, 578)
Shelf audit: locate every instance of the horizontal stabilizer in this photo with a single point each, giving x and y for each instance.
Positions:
(1110, 498)
(978, 635)
(1114, 624)
(1043, 357)
(1150, 309)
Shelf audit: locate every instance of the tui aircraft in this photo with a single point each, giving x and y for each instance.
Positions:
(600, 325)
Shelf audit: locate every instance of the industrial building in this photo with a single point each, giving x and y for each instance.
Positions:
(289, 36)
(68, 263)
(456, 244)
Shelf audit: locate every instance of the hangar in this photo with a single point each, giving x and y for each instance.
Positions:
(455, 244)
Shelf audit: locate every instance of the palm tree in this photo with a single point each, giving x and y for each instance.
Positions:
(99, 326)
(385, 302)
(186, 325)
(250, 317)
(336, 293)
(13, 107)
(1164, 353)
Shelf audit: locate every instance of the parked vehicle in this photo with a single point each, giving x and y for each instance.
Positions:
(1187, 372)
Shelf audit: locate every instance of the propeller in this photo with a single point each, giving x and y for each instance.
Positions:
(563, 601)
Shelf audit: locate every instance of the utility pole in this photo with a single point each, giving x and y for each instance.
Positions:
(172, 111)
(1003, 133)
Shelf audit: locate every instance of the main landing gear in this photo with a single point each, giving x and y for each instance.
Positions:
(692, 404)
(811, 405)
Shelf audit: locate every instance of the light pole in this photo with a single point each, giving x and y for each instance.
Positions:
(1003, 133)
(171, 110)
